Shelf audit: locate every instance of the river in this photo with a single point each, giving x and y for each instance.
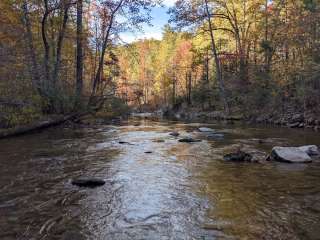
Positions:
(178, 191)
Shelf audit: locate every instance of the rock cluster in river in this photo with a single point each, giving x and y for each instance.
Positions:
(292, 120)
(238, 156)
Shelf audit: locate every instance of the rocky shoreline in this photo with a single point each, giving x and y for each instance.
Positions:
(291, 120)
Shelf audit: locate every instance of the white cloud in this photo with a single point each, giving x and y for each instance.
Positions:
(169, 3)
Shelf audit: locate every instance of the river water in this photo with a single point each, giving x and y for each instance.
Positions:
(179, 191)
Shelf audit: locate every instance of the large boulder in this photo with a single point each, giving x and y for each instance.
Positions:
(289, 155)
(311, 150)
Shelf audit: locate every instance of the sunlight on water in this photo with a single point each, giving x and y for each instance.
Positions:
(156, 187)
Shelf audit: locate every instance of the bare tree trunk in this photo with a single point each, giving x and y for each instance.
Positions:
(104, 47)
(79, 67)
(100, 64)
(34, 69)
(207, 66)
(174, 80)
(46, 44)
(242, 61)
(266, 36)
(59, 46)
(189, 87)
(217, 62)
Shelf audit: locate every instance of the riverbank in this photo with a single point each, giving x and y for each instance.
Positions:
(79, 119)
(289, 119)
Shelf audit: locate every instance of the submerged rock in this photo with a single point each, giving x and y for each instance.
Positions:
(72, 235)
(215, 136)
(289, 155)
(205, 129)
(123, 142)
(238, 156)
(189, 140)
(88, 182)
(175, 134)
(311, 150)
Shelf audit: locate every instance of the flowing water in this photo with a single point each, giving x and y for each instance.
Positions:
(179, 191)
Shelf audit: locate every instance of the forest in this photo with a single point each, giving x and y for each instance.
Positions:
(257, 59)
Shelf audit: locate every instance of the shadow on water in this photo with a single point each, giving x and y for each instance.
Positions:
(177, 191)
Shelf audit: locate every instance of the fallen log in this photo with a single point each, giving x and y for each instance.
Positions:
(37, 126)
(14, 103)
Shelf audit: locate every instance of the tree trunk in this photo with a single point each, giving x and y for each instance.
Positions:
(35, 76)
(217, 62)
(207, 67)
(174, 80)
(59, 46)
(266, 57)
(79, 66)
(189, 87)
(103, 51)
(46, 46)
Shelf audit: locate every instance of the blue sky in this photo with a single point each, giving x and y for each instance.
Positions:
(159, 19)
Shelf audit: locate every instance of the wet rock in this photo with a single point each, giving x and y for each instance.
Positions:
(297, 118)
(205, 129)
(258, 156)
(238, 156)
(123, 142)
(294, 125)
(189, 140)
(311, 150)
(289, 155)
(175, 134)
(159, 141)
(88, 182)
(215, 136)
(148, 152)
(310, 121)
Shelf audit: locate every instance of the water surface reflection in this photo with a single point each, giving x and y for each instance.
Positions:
(179, 191)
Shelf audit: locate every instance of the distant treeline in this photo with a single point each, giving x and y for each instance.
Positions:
(242, 55)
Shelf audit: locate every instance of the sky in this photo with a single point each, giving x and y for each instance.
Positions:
(159, 19)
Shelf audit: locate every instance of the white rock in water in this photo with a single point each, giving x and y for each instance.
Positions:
(311, 150)
(205, 129)
(290, 155)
